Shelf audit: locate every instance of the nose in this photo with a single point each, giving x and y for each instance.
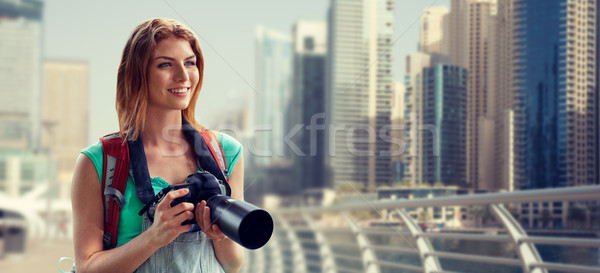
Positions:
(181, 74)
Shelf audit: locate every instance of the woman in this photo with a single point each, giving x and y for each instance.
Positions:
(158, 83)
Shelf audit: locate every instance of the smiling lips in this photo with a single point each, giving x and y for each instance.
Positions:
(179, 90)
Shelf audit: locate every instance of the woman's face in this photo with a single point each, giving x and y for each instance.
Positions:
(172, 75)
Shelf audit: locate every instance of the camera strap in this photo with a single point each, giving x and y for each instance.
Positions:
(209, 153)
(207, 156)
(123, 158)
(155, 200)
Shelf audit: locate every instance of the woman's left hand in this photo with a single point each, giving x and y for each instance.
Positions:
(203, 218)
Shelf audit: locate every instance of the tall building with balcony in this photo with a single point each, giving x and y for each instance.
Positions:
(502, 95)
(444, 108)
(413, 82)
(481, 14)
(273, 85)
(398, 148)
(359, 90)
(471, 31)
(20, 73)
(458, 32)
(415, 128)
(307, 105)
(435, 24)
(556, 93)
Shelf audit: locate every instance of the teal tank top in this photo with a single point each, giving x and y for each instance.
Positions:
(130, 223)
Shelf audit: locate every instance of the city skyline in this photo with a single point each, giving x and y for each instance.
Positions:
(532, 106)
(341, 76)
(478, 121)
(228, 49)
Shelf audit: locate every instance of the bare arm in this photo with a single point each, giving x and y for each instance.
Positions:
(229, 253)
(88, 226)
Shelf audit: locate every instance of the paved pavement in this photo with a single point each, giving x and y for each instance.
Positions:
(40, 256)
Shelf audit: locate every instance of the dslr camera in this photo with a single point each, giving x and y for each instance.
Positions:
(246, 224)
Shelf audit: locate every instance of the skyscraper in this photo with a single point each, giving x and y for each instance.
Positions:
(20, 73)
(481, 13)
(556, 99)
(308, 103)
(414, 126)
(273, 85)
(470, 34)
(397, 133)
(413, 99)
(65, 115)
(598, 93)
(435, 24)
(444, 107)
(502, 93)
(459, 32)
(359, 89)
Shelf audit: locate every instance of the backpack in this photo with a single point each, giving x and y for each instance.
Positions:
(116, 169)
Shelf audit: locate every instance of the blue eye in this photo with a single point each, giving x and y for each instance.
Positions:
(190, 63)
(164, 65)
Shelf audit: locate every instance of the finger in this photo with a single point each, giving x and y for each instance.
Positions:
(200, 213)
(172, 195)
(206, 217)
(186, 215)
(181, 207)
(178, 210)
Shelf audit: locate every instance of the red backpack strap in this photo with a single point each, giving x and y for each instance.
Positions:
(217, 151)
(114, 179)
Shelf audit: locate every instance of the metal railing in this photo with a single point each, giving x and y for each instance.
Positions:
(392, 236)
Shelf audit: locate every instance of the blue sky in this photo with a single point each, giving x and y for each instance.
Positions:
(96, 31)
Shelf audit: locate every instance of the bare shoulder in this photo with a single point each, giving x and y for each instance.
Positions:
(86, 195)
(86, 183)
(85, 171)
(88, 214)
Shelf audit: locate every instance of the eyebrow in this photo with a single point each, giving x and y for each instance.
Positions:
(172, 59)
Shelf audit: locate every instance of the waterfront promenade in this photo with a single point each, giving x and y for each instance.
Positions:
(306, 241)
(392, 236)
(40, 255)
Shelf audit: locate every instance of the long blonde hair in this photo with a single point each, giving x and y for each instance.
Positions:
(132, 82)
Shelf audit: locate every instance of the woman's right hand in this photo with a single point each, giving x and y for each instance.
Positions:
(167, 220)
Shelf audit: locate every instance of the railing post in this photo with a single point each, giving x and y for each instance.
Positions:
(298, 259)
(259, 260)
(327, 260)
(430, 262)
(527, 251)
(275, 263)
(369, 258)
(254, 261)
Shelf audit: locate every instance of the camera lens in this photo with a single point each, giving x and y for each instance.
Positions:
(241, 221)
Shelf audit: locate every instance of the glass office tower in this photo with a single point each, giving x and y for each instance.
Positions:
(444, 108)
(556, 100)
(308, 104)
(359, 90)
(274, 84)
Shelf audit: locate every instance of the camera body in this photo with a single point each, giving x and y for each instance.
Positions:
(241, 221)
(202, 185)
